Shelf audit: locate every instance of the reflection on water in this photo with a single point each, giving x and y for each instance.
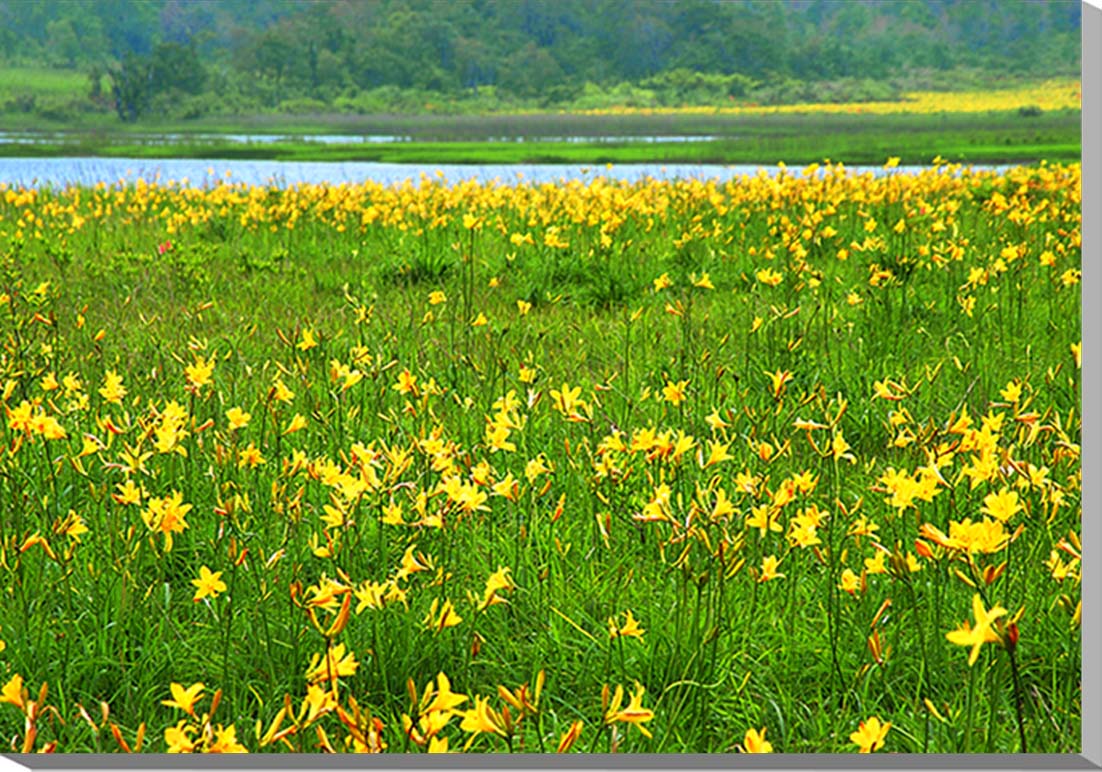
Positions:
(53, 138)
(60, 172)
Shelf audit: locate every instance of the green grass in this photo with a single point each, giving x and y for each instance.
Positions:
(42, 81)
(991, 138)
(991, 147)
(142, 282)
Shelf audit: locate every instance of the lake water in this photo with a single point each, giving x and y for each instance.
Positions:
(62, 172)
(47, 138)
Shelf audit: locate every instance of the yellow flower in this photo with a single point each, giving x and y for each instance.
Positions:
(48, 427)
(982, 633)
(326, 594)
(334, 665)
(566, 400)
(723, 507)
(128, 493)
(308, 340)
(497, 438)
(444, 699)
(630, 628)
(1012, 393)
(674, 393)
(507, 488)
(178, 737)
(862, 526)
(884, 390)
(875, 564)
(209, 583)
(1002, 505)
(113, 391)
(769, 569)
(21, 418)
(850, 582)
(839, 448)
(769, 277)
(297, 423)
(987, 536)
(199, 372)
(167, 516)
(184, 699)
(225, 741)
(279, 391)
(755, 742)
(778, 380)
(498, 582)
(134, 460)
(870, 734)
(704, 282)
(715, 421)
(317, 702)
(764, 518)
(441, 616)
(250, 457)
(1060, 570)
(1071, 277)
(482, 718)
(717, 453)
(634, 713)
(407, 383)
(13, 692)
(803, 534)
(72, 526)
(570, 736)
(238, 418)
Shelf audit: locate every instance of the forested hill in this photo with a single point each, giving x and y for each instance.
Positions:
(270, 54)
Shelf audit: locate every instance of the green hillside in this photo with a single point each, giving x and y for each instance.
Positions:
(72, 60)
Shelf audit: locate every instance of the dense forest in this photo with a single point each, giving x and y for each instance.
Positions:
(190, 58)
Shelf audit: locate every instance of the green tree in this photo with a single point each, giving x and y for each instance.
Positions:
(530, 71)
(62, 42)
(270, 56)
(130, 87)
(174, 67)
(248, 54)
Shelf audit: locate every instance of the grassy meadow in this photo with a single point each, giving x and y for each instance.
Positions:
(1022, 123)
(863, 140)
(784, 464)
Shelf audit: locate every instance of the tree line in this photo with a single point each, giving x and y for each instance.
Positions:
(190, 58)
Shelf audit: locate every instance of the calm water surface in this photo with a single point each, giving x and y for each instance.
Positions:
(61, 172)
(45, 138)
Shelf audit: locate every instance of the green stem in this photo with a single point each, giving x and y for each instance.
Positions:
(229, 624)
(970, 710)
(1018, 701)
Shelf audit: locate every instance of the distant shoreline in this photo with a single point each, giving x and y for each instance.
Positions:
(1006, 137)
